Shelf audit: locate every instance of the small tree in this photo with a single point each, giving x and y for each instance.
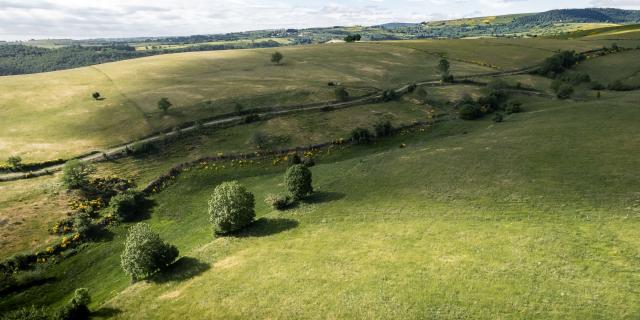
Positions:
(145, 253)
(443, 68)
(96, 95)
(75, 174)
(565, 91)
(276, 57)
(342, 94)
(383, 128)
(259, 139)
(353, 38)
(298, 181)
(15, 161)
(231, 207)
(164, 104)
(77, 308)
(360, 136)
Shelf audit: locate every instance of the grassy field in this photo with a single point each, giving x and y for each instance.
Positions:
(535, 217)
(52, 115)
(494, 223)
(621, 66)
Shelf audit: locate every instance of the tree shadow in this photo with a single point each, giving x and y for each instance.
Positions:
(101, 234)
(264, 227)
(105, 313)
(183, 269)
(144, 209)
(323, 196)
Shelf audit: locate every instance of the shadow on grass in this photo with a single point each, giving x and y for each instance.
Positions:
(183, 269)
(323, 197)
(105, 313)
(144, 210)
(264, 227)
(101, 235)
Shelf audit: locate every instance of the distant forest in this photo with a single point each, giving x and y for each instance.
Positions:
(22, 59)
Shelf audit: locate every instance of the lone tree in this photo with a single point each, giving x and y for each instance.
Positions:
(15, 161)
(342, 94)
(75, 174)
(96, 95)
(443, 68)
(276, 57)
(231, 207)
(164, 104)
(145, 253)
(298, 181)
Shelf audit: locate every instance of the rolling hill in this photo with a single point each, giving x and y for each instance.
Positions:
(533, 214)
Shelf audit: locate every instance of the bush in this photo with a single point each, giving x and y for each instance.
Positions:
(231, 207)
(75, 174)
(15, 161)
(145, 253)
(28, 313)
(82, 224)
(251, 118)
(294, 159)
(298, 181)
(342, 94)
(360, 136)
(389, 95)
(595, 85)
(278, 202)
(125, 206)
(514, 107)
(498, 118)
(259, 139)
(564, 91)
(308, 162)
(469, 112)
(383, 128)
(76, 309)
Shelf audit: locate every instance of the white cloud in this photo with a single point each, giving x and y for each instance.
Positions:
(24, 19)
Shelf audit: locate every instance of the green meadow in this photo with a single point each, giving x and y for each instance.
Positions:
(535, 217)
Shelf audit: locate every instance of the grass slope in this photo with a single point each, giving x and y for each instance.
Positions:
(51, 115)
(532, 218)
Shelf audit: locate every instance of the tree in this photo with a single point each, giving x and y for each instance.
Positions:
(145, 253)
(96, 95)
(565, 91)
(298, 181)
(443, 68)
(259, 139)
(77, 308)
(231, 207)
(342, 94)
(360, 136)
(276, 57)
(164, 104)
(352, 38)
(383, 128)
(75, 174)
(15, 161)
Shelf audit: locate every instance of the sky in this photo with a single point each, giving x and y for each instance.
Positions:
(82, 19)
